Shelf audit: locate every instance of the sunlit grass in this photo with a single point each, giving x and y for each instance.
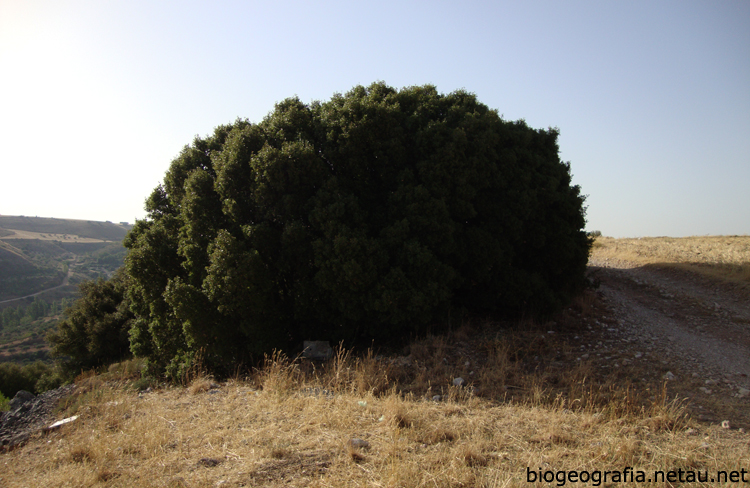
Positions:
(293, 423)
(722, 257)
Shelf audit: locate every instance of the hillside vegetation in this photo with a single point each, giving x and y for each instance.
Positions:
(36, 253)
(26, 269)
(53, 256)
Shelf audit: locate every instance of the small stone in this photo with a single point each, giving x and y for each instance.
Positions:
(743, 393)
(359, 443)
(459, 381)
(725, 424)
(705, 390)
(317, 350)
(22, 398)
(209, 462)
(691, 431)
(62, 422)
(437, 398)
(710, 382)
(669, 376)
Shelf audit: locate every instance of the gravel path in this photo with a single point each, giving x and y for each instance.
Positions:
(690, 322)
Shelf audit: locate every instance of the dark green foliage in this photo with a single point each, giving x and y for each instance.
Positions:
(35, 378)
(94, 332)
(368, 216)
(14, 316)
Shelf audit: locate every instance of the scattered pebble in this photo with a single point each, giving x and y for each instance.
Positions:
(359, 443)
(209, 462)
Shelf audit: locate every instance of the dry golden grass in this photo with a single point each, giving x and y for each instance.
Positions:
(12, 234)
(723, 257)
(294, 423)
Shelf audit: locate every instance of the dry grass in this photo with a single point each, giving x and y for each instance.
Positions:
(723, 257)
(11, 234)
(292, 423)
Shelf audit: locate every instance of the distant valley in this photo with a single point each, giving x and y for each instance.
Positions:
(42, 262)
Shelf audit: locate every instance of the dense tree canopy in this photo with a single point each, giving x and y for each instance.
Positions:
(367, 216)
(95, 329)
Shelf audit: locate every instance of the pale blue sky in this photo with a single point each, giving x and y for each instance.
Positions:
(652, 98)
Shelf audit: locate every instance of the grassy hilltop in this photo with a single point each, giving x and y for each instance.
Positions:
(82, 229)
(37, 253)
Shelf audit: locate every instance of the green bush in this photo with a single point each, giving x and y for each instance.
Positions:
(94, 332)
(368, 216)
(14, 377)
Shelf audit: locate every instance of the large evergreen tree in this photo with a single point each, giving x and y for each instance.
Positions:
(370, 215)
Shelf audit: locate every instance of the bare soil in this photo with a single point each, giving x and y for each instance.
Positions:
(696, 328)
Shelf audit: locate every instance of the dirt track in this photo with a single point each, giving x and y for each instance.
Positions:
(697, 328)
(65, 282)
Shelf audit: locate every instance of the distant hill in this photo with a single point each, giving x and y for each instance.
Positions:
(87, 229)
(39, 253)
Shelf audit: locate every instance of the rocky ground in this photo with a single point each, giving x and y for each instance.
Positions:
(696, 329)
(29, 414)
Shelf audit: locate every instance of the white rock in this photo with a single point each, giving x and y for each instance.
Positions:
(725, 424)
(743, 393)
(459, 381)
(669, 376)
(62, 422)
